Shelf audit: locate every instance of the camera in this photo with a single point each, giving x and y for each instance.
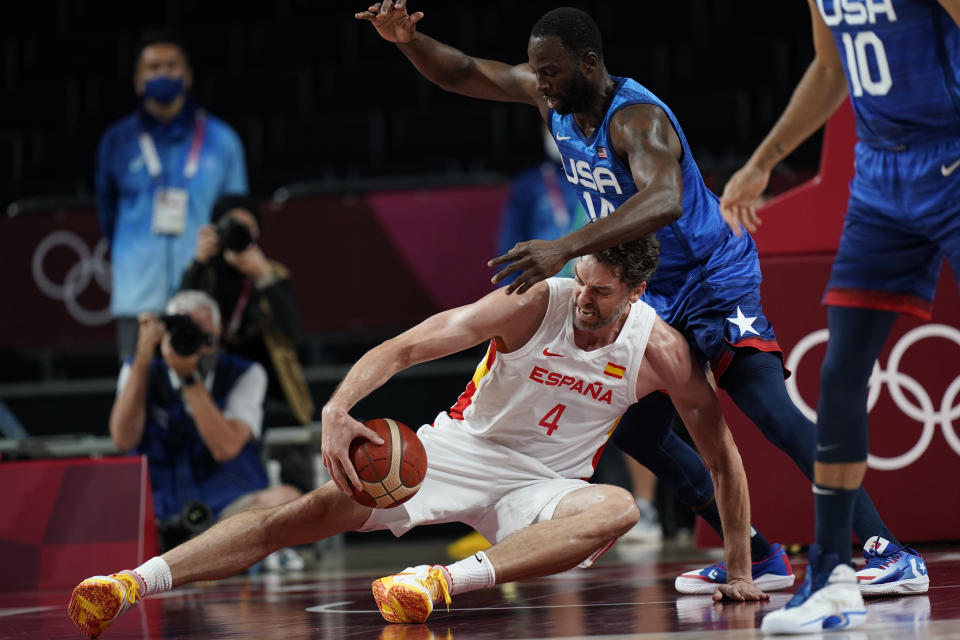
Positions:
(194, 518)
(234, 235)
(186, 337)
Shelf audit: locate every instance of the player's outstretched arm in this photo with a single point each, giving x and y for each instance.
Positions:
(448, 67)
(511, 322)
(645, 138)
(819, 93)
(669, 365)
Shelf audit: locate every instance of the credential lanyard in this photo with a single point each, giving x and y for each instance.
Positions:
(152, 159)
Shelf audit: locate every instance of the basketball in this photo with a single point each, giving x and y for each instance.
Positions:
(392, 472)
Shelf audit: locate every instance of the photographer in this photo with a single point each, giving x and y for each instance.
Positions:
(196, 413)
(256, 300)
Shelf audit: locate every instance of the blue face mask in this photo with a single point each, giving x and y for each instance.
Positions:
(163, 89)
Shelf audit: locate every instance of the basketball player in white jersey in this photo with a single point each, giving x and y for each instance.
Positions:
(510, 458)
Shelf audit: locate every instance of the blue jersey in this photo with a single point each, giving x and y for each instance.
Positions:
(902, 59)
(707, 284)
(147, 266)
(605, 182)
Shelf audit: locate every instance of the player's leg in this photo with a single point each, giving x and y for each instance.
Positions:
(645, 434)
(585, 523)
(830, 589)
(223, 550)
(586, 519)
(755, 382)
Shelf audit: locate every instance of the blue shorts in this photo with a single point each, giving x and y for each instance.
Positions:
(903, 217)
(717, 305)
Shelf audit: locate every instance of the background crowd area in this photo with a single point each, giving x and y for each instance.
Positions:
(381, 193)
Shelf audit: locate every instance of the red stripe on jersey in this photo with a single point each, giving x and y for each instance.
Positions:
(466, 398)
(719, 366)
(911, 305)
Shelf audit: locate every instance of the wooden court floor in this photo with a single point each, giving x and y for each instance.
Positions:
(628, 595)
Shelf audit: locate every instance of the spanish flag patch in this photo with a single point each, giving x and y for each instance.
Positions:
(614, 370)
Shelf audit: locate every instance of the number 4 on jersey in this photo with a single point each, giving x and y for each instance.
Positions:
(552, 418)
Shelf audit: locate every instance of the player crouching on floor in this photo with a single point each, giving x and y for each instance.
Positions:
(564, 362)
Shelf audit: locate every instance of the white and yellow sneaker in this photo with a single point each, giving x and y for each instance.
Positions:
(96, 602)
(408, 596)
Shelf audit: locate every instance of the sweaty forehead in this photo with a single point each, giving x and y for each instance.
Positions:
(597, 274)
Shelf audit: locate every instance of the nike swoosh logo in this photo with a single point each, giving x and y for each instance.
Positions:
(562, 138)
(946, 170)
(821, 449)
(555, 355)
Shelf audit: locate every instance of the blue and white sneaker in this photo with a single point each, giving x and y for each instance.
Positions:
(772, 573)
(829, 599)
(891, 569)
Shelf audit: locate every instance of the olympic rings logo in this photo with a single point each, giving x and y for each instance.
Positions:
(90, 266)
(896, 381)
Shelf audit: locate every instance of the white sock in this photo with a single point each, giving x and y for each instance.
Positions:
(470, 574)
(155, 574)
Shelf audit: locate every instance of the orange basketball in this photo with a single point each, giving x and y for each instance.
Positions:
(392, 472)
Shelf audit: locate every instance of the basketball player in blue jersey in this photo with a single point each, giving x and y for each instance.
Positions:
(899, 61)
(624, 150)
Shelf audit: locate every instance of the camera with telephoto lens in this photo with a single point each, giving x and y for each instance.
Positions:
(194, 518)
(186, 337)
(234, 235)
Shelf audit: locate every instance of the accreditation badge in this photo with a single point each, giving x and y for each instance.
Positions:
(169, 210)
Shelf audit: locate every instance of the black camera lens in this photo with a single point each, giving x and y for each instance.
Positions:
(186, 337)
(234, 235)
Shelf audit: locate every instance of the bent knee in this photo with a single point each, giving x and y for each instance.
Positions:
(616, 513)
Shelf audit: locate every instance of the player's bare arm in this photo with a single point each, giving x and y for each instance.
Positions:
(953, 8)
(819, 93)
(669, 365)
(448, 67)
(645, 139)
(510, 321)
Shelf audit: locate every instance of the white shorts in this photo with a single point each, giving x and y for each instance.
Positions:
(486, 485)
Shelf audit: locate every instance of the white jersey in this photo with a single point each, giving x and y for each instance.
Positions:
(551, 400)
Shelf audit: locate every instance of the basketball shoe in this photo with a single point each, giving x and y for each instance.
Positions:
(98, 601)
(891, 569)
(408, 596)
(828, 599)
(772, 573)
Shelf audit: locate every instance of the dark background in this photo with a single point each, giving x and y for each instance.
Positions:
(320, 100)
(317, 96)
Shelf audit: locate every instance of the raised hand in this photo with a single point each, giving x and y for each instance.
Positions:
(740, 198)
(536, 259)
(391, 20)
(208, 244)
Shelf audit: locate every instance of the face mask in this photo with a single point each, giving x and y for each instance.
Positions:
(163, 89)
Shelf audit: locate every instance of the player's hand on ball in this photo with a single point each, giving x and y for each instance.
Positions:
(739, 590)
(338, 431)
(391, 20)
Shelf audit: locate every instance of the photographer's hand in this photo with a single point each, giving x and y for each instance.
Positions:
(149, 334)
(208, 244)
(250, 262)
